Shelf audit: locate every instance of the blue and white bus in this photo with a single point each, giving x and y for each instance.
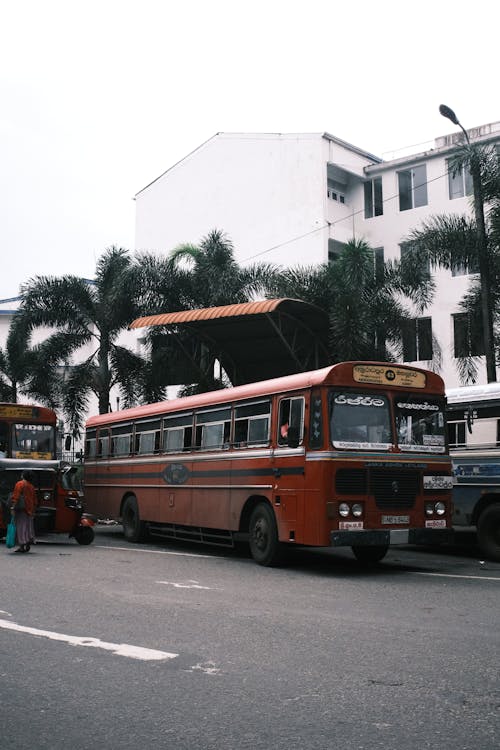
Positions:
(474, 436)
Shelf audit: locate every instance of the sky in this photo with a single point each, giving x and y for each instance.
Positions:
(100, 97)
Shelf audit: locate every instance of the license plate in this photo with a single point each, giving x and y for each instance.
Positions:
(350, 524)
(395, 520)
(437, 523)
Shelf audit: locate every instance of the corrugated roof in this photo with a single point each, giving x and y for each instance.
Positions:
(252, 340)
(209, 313)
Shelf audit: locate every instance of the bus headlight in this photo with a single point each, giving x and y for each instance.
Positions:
(440, 508)
(344, 509)
(357, 510)
(46, 496)
(429, 509)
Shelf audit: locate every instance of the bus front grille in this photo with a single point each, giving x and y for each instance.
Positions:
(394, 489)
(391, 488)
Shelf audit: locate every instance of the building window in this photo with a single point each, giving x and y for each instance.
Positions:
(417, 339)
(467, 335)
(412, 188)
(378, 262)
(335, 195)
(407, 251)
(374, 204)
(335, 250)
(462, 269)
(459, 180)
(456, 434)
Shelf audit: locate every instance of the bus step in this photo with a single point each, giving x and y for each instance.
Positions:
(219, 537)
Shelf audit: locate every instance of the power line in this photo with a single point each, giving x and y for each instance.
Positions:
(334, 223)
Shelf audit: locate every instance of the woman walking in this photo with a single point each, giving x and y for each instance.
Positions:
(23, 509)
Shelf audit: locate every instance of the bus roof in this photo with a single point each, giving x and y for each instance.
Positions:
(468, 393)
(33, 464)
(483, 398)
(331, 375)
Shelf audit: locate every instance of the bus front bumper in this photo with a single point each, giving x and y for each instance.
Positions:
(383, 537)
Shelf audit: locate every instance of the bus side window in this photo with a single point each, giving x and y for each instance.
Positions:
(213, 428)
(149, 442)
(90, 444)
(177, 433)
(121, 440)
(291, 414)
(251, 423)
(148, 437)
(103, 444)
(173, 439)
(120, 445)
(456, 434)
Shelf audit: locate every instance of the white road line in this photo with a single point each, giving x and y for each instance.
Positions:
(452, 575)
(156, 551)
(120, 649)
(188, 585)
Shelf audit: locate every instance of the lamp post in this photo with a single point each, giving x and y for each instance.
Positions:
(482, 248)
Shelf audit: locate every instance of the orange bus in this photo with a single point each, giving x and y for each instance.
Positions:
(354, 454)
(27, 432)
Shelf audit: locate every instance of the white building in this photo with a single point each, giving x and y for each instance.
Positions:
(291, 198)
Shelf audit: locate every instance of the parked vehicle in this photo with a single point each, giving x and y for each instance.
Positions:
(60, 507)
(473, 415)
(351, 455)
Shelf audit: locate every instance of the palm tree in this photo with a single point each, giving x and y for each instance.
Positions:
(212, 277)
(453, 241)
(192, 277)
(90, 314)
(26, 370)
(365, 300)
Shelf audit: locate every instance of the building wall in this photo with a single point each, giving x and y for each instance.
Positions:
(267, 192)
(270, 194)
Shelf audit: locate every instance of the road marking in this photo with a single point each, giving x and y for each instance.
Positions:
(452, 575)
(189, 585)
(208, 668)
(120, 649)
(157, 551)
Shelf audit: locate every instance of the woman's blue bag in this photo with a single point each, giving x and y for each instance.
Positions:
(10, 539)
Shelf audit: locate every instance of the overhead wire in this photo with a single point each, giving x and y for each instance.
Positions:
(333, 223)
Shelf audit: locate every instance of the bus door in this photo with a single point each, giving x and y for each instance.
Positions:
(289, 468)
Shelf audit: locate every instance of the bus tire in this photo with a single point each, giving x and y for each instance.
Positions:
(488, 532)
(265, 546)
(370, 554)
(134, 530)
(84, 535)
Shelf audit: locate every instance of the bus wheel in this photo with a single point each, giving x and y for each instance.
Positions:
(367, 554)
(84, 535)
(264, 543)
(134, 530)
(488, 532)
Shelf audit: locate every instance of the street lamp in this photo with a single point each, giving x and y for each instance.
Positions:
(482, 248)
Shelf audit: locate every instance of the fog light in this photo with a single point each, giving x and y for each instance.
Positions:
(357, 510)
(440, 508)
(429, 509)
(344, 509)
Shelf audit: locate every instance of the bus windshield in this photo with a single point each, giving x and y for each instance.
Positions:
(360, 420)
(33, 440)
(420, 423)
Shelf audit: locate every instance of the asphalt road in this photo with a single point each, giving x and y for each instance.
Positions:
(177, 646)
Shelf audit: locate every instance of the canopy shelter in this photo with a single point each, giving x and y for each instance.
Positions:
(252, 341)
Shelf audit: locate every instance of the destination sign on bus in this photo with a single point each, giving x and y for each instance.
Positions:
(15, 410)
(384, 375)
